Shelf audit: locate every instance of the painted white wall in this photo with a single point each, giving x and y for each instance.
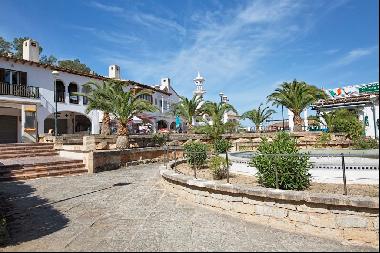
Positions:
(370, 129)
(31, 50)
(42, 78)
(114, 71)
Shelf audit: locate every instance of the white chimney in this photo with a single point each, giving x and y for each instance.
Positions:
(31, 50)
(114, 71)
(165, 84)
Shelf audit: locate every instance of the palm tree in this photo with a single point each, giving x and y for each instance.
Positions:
(296, 96)
(189, 109)
(258, 116)
(125, 105)
(216, 113)
(99, 99)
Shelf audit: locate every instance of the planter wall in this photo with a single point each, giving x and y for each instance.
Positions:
(343, 218)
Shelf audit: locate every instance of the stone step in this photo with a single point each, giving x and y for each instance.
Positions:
(44, 168)
(46, 153)
(51, 173)
(30, 165)
(25, 145)
(29, 150)
(22, 149)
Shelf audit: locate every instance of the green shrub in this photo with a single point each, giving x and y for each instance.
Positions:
(293, 171)
(196, 153)
(198, 130)
(218, 167)
(160, 139)
(3, 230)
(365, 143)
(221, 146)
(323, 140)
(344, 121)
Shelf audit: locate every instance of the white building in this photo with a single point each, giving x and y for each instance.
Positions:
(364, 98)
(27, 103)
(200, 91)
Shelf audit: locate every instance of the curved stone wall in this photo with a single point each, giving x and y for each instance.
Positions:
(344, 218)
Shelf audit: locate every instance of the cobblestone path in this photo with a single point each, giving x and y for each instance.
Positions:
(130, 210)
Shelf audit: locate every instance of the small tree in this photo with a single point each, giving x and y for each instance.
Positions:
(100, 98)
(218, 166)
(5, 47)
(196, 154)
(296, 96)
(160, 139)
(216, 112)
(75, 65)
(222, 146)
(125, 105)
(285, 172)
(258, 116)
(189, 109)
(344, 121)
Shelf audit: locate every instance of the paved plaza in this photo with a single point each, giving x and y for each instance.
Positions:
(131, 210)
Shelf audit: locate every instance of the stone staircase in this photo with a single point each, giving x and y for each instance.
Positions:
(23, 161)
(17, 150)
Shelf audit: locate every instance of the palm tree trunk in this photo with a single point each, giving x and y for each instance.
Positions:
(257, 128)
(122, 141)
(297, 123)
(106, 130)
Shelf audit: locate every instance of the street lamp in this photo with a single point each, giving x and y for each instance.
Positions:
(221, 97)
(55, 73)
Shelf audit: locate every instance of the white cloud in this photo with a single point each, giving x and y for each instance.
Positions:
(258, 12)
(108, 8)
(110, 36)
(354, 55)
(153, 21)
(228, 50)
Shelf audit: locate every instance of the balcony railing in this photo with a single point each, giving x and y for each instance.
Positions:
(19, 90)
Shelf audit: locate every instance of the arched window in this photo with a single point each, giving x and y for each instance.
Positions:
(162, 124)
(172, 126)
(73, 87)
(85, 90)
(60, 89)
(146, 97)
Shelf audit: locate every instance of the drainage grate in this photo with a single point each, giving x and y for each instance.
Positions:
(348, 167)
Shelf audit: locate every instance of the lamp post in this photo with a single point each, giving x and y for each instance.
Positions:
(221, 97)
(55, 73)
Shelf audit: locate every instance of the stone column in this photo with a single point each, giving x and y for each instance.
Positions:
(291, 122)
(89, 143)
(305, 121)
(95, 126)
(21, 138)
(67, 95)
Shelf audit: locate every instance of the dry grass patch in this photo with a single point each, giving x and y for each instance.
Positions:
(245, 180)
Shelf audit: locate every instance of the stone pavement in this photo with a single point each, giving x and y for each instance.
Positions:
(130, 210)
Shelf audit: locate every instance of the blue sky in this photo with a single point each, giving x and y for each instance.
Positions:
(243, 48)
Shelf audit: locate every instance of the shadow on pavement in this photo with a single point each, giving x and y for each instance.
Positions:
(28, 216)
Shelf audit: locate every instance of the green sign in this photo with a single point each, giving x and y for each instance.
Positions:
(369, 88)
